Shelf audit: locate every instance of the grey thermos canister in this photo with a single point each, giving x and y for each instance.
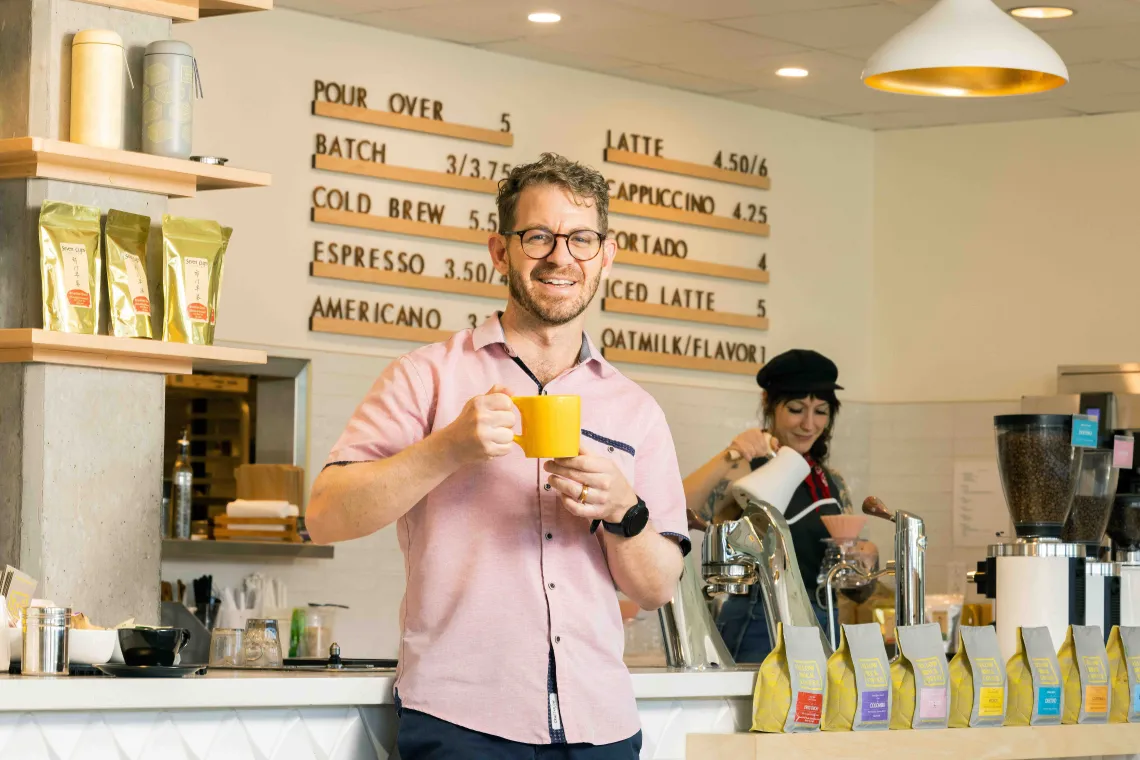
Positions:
(168, 99)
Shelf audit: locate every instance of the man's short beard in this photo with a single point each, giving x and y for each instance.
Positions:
(558, 315)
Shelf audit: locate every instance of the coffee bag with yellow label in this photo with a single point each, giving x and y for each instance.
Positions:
(858, 681)
(1084, 673)
(920, 681)
(193, 253)
(1034, 681)
(977, 679)
(127, 287)
(1124, 672)
(70, 266)
(791, 685)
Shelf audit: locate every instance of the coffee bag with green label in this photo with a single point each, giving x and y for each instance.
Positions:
(858, 681)
(977, 679)
(127, 287)
(1084, 673)
(70, 266)
(1124, 672)
(791, 685)
(1035, 692)
(920, 680)
(193, 253)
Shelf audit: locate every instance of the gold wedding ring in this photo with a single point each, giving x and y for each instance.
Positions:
(585, 492)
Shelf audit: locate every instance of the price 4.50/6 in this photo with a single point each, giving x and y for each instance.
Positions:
(739, 162)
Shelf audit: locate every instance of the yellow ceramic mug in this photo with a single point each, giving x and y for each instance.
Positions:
(551, 425)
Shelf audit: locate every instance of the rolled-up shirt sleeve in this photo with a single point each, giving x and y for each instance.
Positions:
(658, 481)
(395, 414)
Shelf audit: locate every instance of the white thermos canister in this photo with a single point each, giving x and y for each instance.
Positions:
(97, 88)
(168, 99)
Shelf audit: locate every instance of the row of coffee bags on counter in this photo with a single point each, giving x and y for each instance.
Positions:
(75, 250)
(800, 689)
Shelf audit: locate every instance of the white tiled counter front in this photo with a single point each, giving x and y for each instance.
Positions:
(296, 716)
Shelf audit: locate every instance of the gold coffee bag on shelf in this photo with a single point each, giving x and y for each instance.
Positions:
(1034, 678)
(791, 685)
(70, 266)
(920, 690)
(858, 681)
(1124, 672)
(193, 252)
(127, 287)
(977, 679)
(1084, 673)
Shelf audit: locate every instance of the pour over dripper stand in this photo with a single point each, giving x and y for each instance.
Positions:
(842, 568)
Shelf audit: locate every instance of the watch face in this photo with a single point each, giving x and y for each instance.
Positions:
(636, 519)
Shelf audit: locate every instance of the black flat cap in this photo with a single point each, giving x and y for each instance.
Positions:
(799, 370)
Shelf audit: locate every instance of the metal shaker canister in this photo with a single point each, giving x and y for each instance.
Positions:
(97, 88)
(45, 631)
(169, 82)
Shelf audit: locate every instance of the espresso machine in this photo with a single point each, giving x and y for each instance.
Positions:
(1038, 579)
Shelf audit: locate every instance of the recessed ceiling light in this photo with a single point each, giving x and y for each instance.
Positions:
(1042, 12)
(791, 71)
(544, 17)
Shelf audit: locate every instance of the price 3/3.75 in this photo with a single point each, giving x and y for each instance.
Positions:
(469, 166)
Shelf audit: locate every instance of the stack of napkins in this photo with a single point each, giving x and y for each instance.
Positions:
(257, 508)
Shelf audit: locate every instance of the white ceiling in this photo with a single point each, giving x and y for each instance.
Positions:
(731, 49)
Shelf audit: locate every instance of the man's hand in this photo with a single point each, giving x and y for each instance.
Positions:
(608, 496)
(484, 429)
(754, 444)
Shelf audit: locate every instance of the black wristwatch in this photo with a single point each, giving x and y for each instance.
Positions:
(632, 523)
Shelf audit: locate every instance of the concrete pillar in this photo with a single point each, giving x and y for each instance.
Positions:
(80, 448)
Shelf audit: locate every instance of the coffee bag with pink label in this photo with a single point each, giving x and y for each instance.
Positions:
(193, 253)
(920, 679)
(128, 288)
(70, 266)
(792, 683)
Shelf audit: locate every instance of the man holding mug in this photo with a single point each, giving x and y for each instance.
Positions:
(511, 633)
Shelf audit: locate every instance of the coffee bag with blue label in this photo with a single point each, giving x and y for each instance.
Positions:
(1035, 694)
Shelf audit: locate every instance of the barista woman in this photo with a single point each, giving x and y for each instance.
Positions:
(799, 409)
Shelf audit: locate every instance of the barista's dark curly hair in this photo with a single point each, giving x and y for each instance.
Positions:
(553, 169)
(819, 449)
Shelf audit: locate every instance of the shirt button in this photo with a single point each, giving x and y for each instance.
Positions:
(550, 585)
(546, 487)
(610, 449)
(557, 639)
(549, 536)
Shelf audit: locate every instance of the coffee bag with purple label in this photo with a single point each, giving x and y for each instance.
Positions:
(858, 682)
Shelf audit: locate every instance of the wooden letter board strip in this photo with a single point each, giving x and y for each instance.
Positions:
(686, 168)
(689, 266)
(655, 359)
(412, 123)
(407, 280)
(404, 174)
(399, 226)
(662, 311)
(372, 330)
(664, 214)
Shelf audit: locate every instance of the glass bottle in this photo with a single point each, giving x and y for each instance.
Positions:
(181, 488)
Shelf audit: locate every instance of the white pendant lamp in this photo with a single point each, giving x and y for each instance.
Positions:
(965, 48)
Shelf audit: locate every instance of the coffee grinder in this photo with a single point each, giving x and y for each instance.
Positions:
(1087, 522)
(1039, 579)
(1124, 530)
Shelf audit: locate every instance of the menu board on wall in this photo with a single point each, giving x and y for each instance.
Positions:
(666, 302)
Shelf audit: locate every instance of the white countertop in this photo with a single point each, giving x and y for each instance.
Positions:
(264, 689)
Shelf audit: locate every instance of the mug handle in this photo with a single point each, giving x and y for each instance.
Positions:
(185, 637)
(522, 423)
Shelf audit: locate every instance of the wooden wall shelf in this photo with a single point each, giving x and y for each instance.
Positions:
(399, 226)
(371, 330)
(664, 214)
(662, 311)
(407, 280)
(689, 266)
(412, 123)
(108, 352)
(686, 168)
(404, 174)
(43, 158)
(228, 551)
(209, 8)
(185, 10)
(655, 359)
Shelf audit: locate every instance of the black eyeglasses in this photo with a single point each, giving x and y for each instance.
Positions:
(538, 243)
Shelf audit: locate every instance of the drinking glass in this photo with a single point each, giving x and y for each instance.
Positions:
(226, 647)
(262, 645)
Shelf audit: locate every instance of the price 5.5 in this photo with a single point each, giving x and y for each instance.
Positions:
(476, 223)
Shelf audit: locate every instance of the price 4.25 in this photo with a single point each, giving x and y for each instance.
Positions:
(750, 212)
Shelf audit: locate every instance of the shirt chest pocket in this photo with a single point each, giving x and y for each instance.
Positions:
(617, 451)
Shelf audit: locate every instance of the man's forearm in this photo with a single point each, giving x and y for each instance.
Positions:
(646, 567)
(359, 499)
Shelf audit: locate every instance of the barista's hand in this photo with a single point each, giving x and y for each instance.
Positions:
(608, 495)
(754, 444)
(484, 429)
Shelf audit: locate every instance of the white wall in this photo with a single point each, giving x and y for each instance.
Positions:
(1002, 251)
(258, 73)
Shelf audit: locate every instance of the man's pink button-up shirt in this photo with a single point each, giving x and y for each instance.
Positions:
(498, 573)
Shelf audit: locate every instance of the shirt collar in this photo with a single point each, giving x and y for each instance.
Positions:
(491, 332)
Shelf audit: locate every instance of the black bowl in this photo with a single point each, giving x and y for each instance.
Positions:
(152, 646)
